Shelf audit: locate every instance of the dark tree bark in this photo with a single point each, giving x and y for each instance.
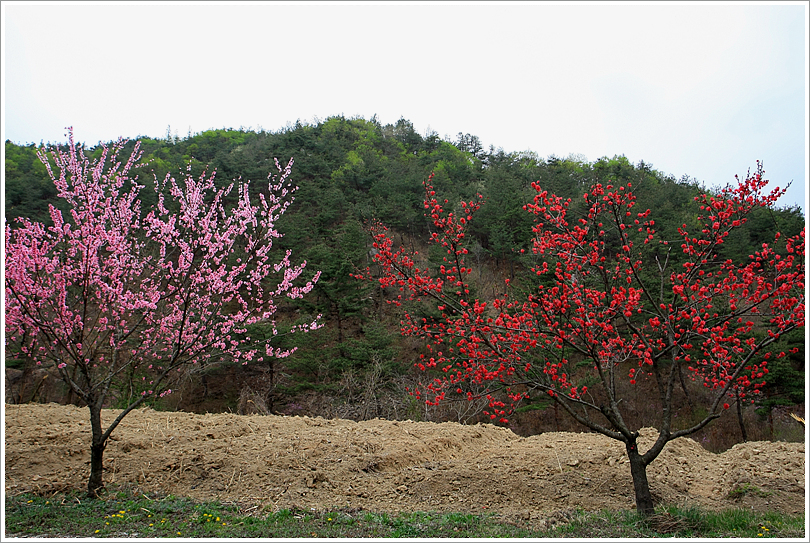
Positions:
(740, 418)
(638, 470)
(97, 446)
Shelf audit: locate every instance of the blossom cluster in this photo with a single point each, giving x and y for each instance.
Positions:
(603, 298)
(110, 287)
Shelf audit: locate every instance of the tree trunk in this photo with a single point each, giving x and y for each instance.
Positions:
(71, 395)
(556, 418)
(270, 396)
(638, 469)
(683, 385)
(36, 390)
(740, 418)
(95, 484)
(340, 329)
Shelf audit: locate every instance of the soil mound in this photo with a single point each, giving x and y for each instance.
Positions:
(387, 466)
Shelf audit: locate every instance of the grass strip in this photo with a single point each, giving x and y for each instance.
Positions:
(124, 513)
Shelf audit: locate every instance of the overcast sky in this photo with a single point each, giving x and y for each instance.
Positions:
(699, 89)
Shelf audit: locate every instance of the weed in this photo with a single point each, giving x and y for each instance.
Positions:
(741, 490)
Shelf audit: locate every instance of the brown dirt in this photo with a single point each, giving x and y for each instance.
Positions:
(386, 466)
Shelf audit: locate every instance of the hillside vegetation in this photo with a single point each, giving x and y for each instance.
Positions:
(350, 172)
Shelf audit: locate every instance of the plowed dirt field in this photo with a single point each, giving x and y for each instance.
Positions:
(386, 466)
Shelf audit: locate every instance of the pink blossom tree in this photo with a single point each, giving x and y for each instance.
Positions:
(110, 291)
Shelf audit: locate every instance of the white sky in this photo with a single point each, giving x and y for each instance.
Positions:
(692, 88)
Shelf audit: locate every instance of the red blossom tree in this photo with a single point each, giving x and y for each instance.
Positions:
(109, 292)
(609, 303)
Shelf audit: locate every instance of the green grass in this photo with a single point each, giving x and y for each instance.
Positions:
(671, 521)
(744, 489)
(125, 513)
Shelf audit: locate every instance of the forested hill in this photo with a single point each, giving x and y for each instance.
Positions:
(350, 171)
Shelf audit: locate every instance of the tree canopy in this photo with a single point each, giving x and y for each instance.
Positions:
(352, 172)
